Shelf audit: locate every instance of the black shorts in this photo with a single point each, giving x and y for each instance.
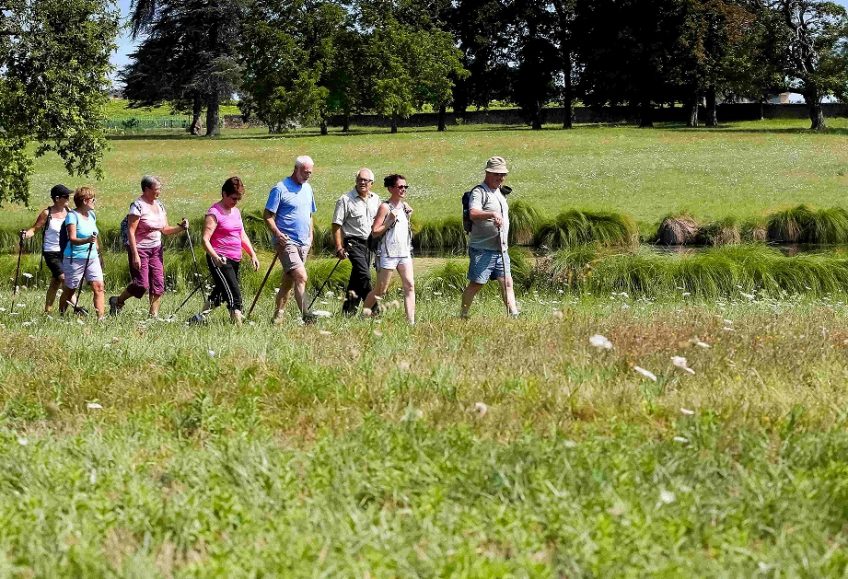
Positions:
(53, 259)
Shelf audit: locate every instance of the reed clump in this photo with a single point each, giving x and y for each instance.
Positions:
(575, 227)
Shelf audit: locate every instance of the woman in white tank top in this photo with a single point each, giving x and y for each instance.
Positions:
(51, 219)
(392, 226)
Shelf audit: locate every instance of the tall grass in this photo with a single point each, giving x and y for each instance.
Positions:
(723, 232)
(524, 222)
(445, 235)
(575, 227)
(677, 229)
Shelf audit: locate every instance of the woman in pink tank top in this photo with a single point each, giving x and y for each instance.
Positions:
(224, 240)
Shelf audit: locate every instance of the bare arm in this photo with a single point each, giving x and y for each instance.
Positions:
(338, 241)
(381, 223)
(40, 221)
(271, 223)
(74, 240)
(209, 226)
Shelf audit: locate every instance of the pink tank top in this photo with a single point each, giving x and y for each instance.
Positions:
(226, 238)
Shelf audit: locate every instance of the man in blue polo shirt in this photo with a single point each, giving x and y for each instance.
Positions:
(288, 214)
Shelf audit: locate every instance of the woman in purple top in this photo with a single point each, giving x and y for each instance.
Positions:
(224, 239)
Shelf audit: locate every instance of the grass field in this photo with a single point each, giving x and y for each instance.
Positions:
(740, 170)
(482, 448)
(476, 449)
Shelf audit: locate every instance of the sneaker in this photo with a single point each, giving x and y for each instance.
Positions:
(197, 320)
(237, 318)
(114, 308)
(279, 318)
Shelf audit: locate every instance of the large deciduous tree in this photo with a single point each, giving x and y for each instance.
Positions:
(54, 65)
(816, 56)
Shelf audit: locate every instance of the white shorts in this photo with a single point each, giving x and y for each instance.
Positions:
(387, 262)
(72, 268)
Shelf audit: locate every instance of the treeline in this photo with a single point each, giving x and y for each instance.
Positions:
(295, 62)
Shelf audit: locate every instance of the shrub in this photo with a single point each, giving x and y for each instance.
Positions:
(679, 229)
(576, 227)
(790, 225)
(723, 232)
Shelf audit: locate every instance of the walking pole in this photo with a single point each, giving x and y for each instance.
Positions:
(77, 308)
(17, 271)
(307, 313)
(197, 276)
(503, 262)
(262, 285)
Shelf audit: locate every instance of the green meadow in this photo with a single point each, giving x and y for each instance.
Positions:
(648, 414)
(741, 170)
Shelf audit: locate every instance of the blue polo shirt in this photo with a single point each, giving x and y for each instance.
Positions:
(293, 205)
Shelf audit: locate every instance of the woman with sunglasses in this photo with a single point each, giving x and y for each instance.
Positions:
(394, 252)
(82, 258)
(224, 240)
(51, 220)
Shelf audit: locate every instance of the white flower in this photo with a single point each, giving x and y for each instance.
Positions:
(437, 293)
(728, 322)
(701, 344)
(94, 406)
(211, 353)
(557, 314)
(21, 305)
(600, 342)
(569, 444)
(681, 440)
(667, 497)
(481, 409)
(403, 365)
(27, 275)
(22, 441)
(751, 297)
(687, 412)
(649, 375)
(680, 362)
(325, 333)
(378, 333)
(322, 314)
(92, 476)
(27, 324)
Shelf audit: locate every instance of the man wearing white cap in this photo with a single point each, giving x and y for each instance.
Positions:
(487, 244)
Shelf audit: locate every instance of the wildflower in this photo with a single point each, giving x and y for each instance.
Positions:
(378, 333)
(403, 365)
(667, 497)
(569, 444)
(92, 476)
(27, 275)
(437, 293)
(211, 353)
(325, 333)
(94, 406)
(322, 313)
(701, 344)
(27, 324)
(557, 314)
(330, 294)
(680, 362)
(20, 305)
(687, 412)
(481, 409)
(751, 297)
(600, 342)
(649, 375)
(681, 440)
(22, 441)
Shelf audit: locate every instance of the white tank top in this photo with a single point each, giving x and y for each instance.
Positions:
(396, 242)
(51, 232)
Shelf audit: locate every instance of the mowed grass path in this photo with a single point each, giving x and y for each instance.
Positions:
(482, 448)
(742, 169)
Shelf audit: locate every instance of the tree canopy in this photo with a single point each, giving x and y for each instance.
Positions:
(54, 62)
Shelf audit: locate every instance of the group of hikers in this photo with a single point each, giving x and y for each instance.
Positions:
(363, 228)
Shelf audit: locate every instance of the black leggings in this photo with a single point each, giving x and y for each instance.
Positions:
(226, 278)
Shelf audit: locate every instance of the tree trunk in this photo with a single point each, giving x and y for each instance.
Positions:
(646, 114)
(692, 121)
(712, 107)
(816, 113)
(394, 123)
(324, 130)
(346, 122)
(567, 94)
(196, 110)
(213, 105)
(536, 117)
(442, 113)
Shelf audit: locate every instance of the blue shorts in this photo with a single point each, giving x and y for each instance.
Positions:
(485, 264)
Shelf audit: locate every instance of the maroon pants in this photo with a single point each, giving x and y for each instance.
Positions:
(150, 276)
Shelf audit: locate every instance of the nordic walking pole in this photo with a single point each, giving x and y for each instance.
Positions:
(17, 271)
(323, 285)
(262, 285)
(77, 308)
(504, 293)
(197, 276)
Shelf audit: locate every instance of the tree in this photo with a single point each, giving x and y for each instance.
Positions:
(54, 62)
(566, 15)
(816, 58)
(187, 55)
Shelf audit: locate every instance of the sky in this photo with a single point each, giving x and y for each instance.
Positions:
(126, 45)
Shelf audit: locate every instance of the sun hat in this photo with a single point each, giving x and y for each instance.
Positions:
(496, 165)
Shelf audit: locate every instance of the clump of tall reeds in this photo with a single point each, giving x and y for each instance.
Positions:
(575, 227)
(791, 225)
(677, 229)
(446, 235)
(722, 232)
(524, 221)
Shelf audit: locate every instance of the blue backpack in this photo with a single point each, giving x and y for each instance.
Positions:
(125, 226)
